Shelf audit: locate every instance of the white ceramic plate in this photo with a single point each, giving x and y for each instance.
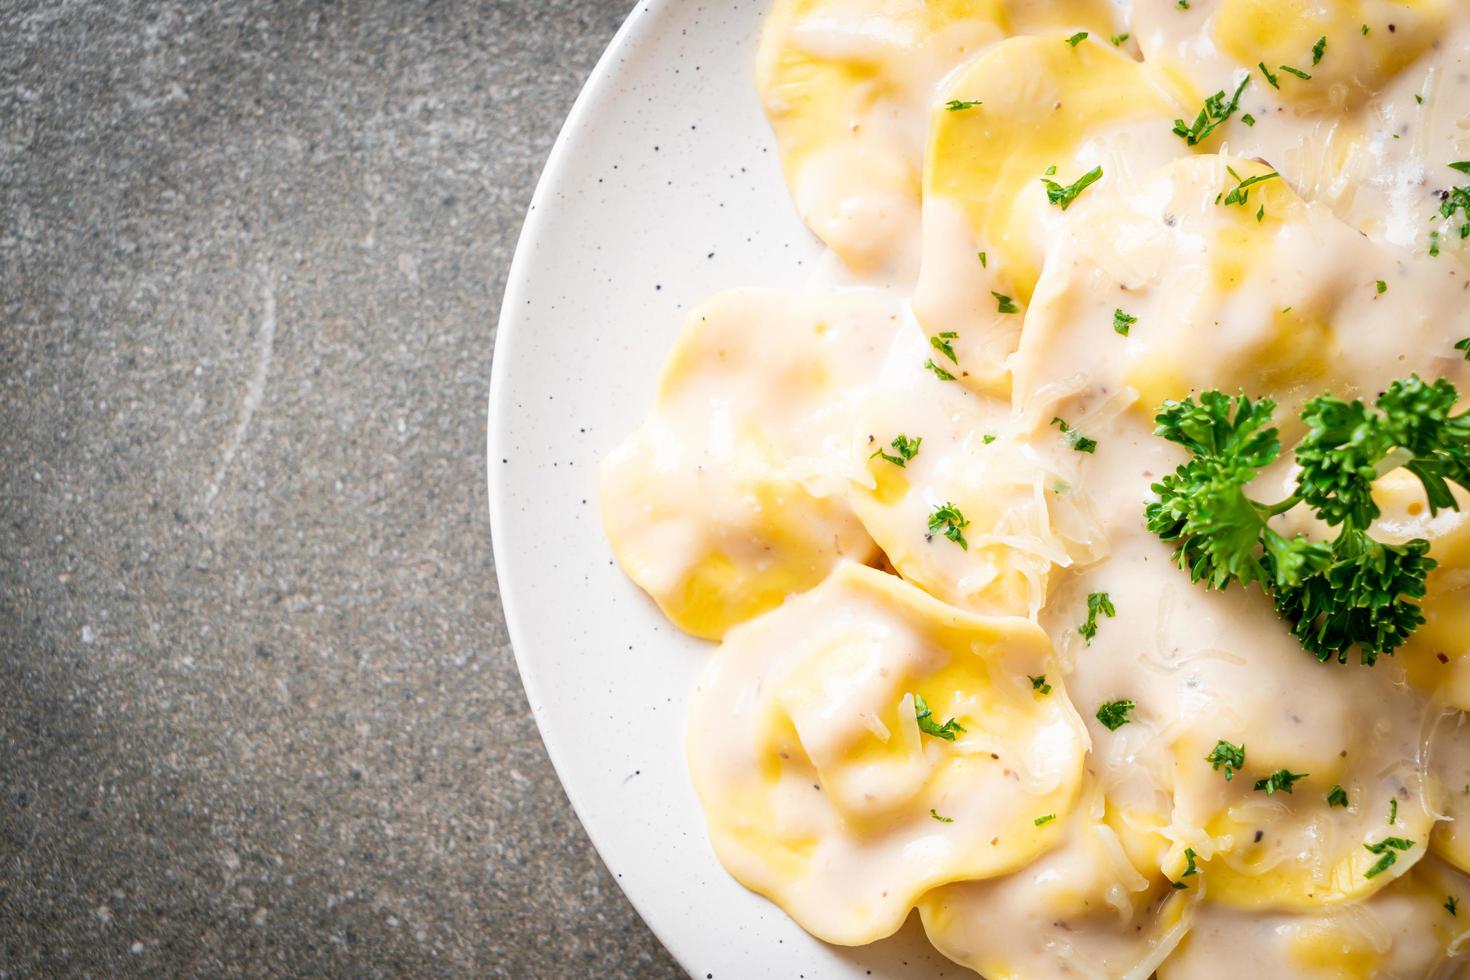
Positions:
(663, 189)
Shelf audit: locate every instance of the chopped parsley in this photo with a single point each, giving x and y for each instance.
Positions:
(1352, 590)
(941, 343)
(1338, 797)
(1039, 683)
(1098, 603)
(987, 438)
(1075, 439)
(1248, 119)
(1385, 848)
(1077, 38)
(956, 105)
(949, 521)
(1274, 80)
(1114, 714)
(1122, 321)
(1397, 843)
(1118, 39)
(1365, 30)
(1281, 779)
(1464, 345)
(1182, 4)
(1418, 99)
(1241, 192)
(935, 814)
(984, 262)
(939, 372)
(1382, 864)
(1393, 811)
(1434, 244)
(1295, 71)
(1457, 199)
(1045, 819)
(905, 447)
(1318, 49)
(1063, 197)
(1382, 287)
(1215, 111)
(1230, 757)
(927, 725)
(1189, 869)
(1452, 906)
(1004, 304)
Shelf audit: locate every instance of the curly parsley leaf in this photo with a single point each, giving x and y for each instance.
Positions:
(1352, 590)
(958, 105)
(1004, 304)
(1338, 797)
(1122, 322)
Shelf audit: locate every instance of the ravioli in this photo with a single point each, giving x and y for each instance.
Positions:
(1297, 288)
(1083, 909)
(846, 84)
(1403, 931)
(732, 495)
(820, 788)
(1043, 109)
(1378, 113)
(1014, 529)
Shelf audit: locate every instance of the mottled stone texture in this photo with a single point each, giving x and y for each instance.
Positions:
(258, 714)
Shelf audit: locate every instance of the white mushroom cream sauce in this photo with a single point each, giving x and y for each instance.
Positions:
(877, 494)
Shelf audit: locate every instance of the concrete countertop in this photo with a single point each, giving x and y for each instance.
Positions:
(258, 713)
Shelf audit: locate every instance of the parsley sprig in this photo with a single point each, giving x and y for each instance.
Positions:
(1353, 590)
(1215, 111)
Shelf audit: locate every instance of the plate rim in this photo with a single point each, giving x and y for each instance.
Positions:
(496, 434)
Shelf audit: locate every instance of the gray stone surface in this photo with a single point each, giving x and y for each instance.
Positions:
(258, 714)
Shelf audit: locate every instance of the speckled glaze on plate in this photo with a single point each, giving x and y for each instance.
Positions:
(662, 189)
